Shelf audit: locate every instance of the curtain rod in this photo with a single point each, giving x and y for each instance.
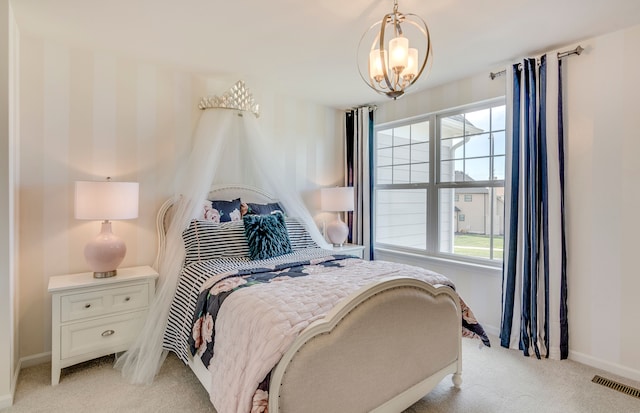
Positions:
(370, 107)
(578, 50)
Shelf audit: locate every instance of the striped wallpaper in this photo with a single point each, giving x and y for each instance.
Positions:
(88, 115)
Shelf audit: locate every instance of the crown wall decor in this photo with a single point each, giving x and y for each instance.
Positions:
(238, 97)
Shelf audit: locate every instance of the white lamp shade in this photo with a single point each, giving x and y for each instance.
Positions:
(106, 200)
(337, 199)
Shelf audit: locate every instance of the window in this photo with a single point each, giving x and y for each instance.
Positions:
(425, 166)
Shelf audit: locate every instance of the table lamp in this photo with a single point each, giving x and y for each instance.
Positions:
(337, 199)
(104, 201)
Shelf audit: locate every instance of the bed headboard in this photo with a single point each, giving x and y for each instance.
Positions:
(246, 193)
(222, 192)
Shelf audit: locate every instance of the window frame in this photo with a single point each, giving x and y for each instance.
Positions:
(433, 187)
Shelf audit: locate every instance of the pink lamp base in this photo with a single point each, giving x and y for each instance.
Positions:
(105, 252)
(337, 232)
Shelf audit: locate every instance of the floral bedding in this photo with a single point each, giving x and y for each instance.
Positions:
(333, 276)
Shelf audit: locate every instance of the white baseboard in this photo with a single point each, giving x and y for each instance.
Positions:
(6, 400)
(35, 360)
(614, 368)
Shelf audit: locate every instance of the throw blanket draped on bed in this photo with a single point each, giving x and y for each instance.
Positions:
(282, 301)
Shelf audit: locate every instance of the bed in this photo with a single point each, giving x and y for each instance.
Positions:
(352, 335)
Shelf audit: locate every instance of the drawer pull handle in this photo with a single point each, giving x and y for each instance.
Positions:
(127, 299)
(87, 305)
(107, 333)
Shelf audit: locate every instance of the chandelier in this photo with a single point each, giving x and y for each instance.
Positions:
(393, 67)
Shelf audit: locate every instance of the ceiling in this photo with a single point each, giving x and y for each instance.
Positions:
(308, 49)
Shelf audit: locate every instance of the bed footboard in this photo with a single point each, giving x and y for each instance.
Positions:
(384, 347)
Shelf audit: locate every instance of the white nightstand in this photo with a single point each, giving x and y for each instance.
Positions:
(93, 317)
(350, 249)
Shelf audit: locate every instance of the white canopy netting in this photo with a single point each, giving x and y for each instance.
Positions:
(228, 148)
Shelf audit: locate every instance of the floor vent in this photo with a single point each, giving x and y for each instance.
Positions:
(623, 388)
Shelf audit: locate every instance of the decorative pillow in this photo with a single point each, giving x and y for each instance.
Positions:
(206, 240)
(263, 209)
(222, 211)
(299, 237)
(267, 236)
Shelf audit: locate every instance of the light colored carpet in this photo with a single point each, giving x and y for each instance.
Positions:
(494, 380)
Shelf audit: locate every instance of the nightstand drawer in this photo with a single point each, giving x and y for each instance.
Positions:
(101, 334)
(96, 303)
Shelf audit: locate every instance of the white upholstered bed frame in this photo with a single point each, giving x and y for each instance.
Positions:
(381, 350)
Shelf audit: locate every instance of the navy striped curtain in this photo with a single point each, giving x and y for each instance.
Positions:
(358, 167)
(534, 287)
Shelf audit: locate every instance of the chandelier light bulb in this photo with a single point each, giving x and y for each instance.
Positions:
(377, 62)
(411, 70)
(398, 53)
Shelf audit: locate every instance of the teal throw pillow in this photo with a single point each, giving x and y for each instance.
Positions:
(266, 235)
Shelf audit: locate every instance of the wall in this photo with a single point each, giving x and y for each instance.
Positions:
(8, 115)
(601, 169)
(88, 115)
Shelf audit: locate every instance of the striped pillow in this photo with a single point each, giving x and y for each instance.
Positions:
(206, 240)
(298, 235)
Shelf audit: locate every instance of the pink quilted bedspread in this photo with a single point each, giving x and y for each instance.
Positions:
(256, 325)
